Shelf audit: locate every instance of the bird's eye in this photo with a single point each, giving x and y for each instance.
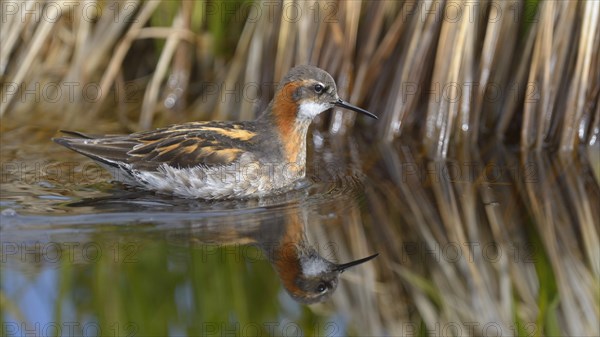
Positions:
(321, 287)
(319, 88)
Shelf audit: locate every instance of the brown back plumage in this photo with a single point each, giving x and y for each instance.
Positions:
(187, 145)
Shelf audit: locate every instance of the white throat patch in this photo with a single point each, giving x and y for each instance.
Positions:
(314, 267)
(309, 110)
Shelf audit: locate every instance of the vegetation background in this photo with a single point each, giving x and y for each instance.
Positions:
(449, 71)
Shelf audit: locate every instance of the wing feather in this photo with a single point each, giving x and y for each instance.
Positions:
(111, 151)
(187, 145)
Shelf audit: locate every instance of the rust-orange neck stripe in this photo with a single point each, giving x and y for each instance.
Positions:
(285, 111)
(287, 253)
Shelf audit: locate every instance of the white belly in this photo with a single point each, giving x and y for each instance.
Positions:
(234, 181)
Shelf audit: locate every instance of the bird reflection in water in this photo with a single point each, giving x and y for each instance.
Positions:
(276, 225)
(306, 276)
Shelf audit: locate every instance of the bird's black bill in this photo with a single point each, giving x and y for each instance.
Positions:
(349, 106)
(345, 266)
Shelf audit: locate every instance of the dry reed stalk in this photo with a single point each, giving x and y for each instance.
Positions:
(593, 143)
(411, 71)
(125, 44)
(12, 28)
(252, 74)
(533, 135)
(177, 85)
(516, 85)
(95, 43)
(438, 121)
(341, 121)
(376, 15)
(153, 90)
(41, 33)
(583, 82)
(228, 108)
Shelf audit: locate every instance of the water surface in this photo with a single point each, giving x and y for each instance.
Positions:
(492, 239)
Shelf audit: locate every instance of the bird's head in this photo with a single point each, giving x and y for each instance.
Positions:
(305, 92)
(311, 278)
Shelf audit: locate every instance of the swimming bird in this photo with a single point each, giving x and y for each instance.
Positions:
(219, 159)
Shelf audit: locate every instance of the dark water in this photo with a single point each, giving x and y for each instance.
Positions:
(494, 238)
